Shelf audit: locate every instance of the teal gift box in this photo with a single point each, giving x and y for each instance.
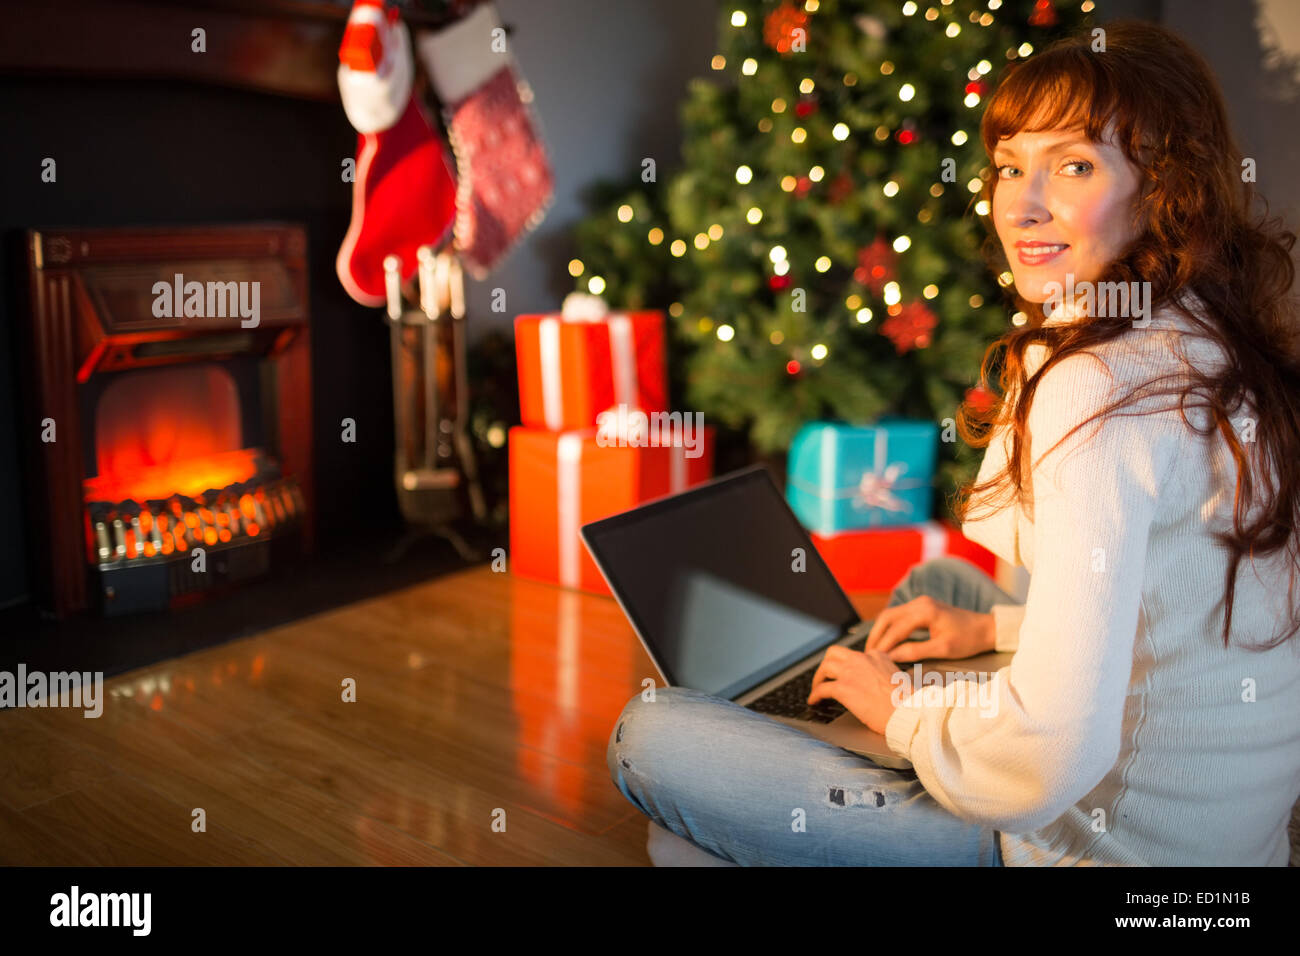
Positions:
(842, 477)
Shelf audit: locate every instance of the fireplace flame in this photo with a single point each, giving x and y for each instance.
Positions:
(172, 474)
(189, 477)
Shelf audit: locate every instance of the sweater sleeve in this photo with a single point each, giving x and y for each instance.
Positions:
(1007, 619)
(1047, 728)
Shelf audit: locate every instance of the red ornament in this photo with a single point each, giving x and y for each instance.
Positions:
(805, 107)
(840, 187)
(911, 328)
(777, 283)
(792, 367)
(780, 26)
(875, 265)
(1044, 14)
(802, 186)
(906, 137)
(979, 399)
(978, 87)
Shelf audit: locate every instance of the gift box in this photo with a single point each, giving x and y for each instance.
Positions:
(876, 559)
(560, 481)
(843, 477)
(572, 369)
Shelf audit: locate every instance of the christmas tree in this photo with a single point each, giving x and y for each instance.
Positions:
(818, 248)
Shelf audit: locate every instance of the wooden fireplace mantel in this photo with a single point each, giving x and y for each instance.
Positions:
(285, 47)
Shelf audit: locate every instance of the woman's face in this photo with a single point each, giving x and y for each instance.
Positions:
(1063, 205)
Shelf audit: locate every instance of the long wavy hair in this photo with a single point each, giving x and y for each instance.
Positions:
(1196, 233)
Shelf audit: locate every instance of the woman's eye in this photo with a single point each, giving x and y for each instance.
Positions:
(1083, 168)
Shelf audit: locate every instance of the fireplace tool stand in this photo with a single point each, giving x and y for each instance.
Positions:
(435, 469)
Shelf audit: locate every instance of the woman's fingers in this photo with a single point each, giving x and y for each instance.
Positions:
(878, 626)
(916, 612)
(820, 692)
(827, 664)
(886, 621)
(845, 692)
(865, 684)
(907, 652)
(826, 679)
(910, 616)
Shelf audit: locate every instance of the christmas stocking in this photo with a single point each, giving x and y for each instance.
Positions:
(404, 195)
(505, 184)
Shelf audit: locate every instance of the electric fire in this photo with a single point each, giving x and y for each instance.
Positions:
(183, 459)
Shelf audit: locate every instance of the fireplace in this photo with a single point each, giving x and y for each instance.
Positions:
(169, 414)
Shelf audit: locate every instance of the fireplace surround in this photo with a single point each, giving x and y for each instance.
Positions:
(167, 412)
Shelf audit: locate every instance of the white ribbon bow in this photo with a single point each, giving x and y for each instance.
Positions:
(876, 489)
(583, 307)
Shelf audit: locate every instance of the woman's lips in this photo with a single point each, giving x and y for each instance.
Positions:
(1038, 254)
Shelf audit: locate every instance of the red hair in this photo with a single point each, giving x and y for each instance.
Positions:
(1198, 234)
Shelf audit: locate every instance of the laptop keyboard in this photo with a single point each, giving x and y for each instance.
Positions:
(791, 698)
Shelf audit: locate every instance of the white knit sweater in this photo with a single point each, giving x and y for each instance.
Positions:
(1124, 732)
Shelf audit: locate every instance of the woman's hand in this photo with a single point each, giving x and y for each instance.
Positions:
(954, 632)
(865, 682)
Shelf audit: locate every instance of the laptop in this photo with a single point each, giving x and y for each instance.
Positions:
(728, 595)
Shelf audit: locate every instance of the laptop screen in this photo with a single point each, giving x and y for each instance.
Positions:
(713, 583)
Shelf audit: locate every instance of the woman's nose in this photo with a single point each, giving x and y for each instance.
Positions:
(1028, 205)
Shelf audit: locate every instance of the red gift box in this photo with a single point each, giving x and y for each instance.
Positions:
(560, 481)
(571, 370)
(876, 559)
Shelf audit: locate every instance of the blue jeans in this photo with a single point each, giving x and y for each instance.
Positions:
(757, 792)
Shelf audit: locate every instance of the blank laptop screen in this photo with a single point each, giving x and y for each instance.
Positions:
(711, 581)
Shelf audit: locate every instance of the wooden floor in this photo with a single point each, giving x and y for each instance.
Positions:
(475, 693)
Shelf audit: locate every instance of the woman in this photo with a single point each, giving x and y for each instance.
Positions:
(1143, 465)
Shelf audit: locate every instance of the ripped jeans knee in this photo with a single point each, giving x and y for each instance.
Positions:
(860, 797)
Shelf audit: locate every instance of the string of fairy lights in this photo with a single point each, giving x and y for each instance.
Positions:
(892, 293)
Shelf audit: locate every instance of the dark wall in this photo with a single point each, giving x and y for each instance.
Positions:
(138, 153)
(1254, 50)
(609, 79)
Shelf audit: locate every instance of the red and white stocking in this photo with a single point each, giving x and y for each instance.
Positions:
(404, 195)
(505, 181)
